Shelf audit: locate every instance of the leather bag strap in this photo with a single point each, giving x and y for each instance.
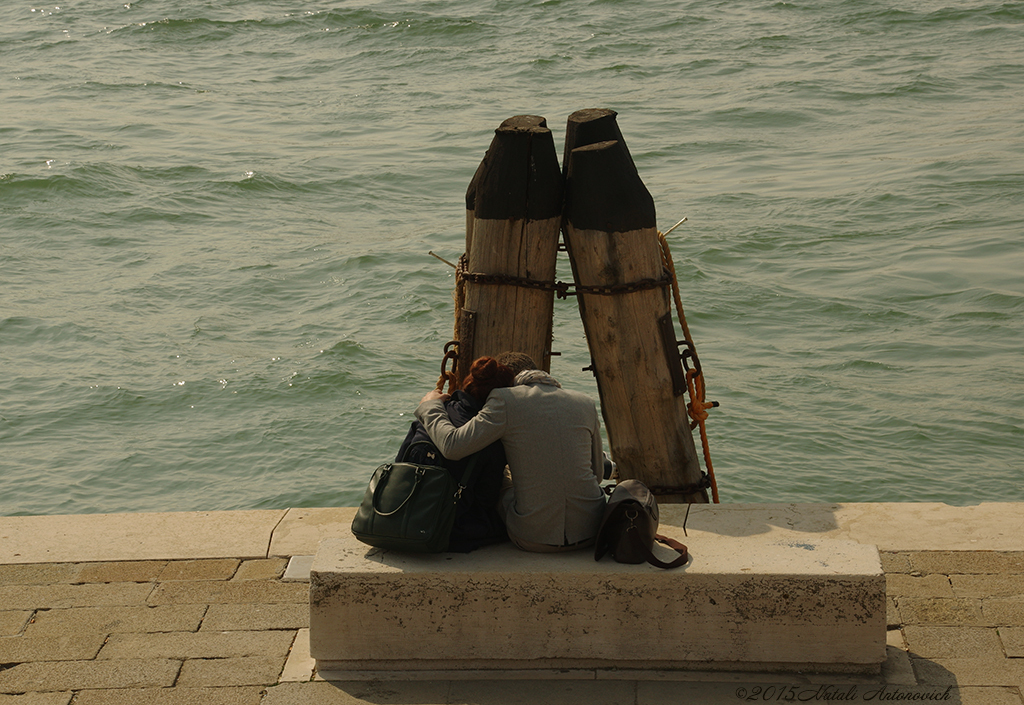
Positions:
(643, 550)
(467, 474)
(673, 544)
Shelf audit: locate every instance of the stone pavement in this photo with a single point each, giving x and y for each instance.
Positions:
(138, 621)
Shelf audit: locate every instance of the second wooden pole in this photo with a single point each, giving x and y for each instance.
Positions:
(625, 304)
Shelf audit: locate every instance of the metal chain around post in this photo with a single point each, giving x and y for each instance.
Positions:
(698, 406)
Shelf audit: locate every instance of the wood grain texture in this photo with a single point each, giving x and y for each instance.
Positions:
(612, 240)
(513, 217)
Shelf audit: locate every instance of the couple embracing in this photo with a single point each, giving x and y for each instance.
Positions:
(541, 464)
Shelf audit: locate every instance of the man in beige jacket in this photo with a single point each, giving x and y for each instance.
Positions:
(552, 441)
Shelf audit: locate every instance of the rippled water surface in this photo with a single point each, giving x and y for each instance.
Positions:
(215, 291)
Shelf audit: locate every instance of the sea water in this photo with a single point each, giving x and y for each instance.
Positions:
(215, 219)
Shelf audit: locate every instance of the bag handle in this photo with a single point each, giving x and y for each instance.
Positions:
(383, 481)
(673, 544)
(467, 474)
(642, 549)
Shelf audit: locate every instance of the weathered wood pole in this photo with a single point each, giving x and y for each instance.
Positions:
(513, 217)
(589, 126)
(612, 239)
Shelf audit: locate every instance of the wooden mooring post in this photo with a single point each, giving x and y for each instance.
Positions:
(513, 215)
(624, 297)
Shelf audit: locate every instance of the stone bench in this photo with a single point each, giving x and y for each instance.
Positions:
(748, 604)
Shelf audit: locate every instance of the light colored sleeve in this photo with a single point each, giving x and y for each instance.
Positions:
(456, 443)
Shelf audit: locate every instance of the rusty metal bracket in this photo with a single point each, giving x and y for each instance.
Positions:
(672, 357)
(690, 354)
(450, 353)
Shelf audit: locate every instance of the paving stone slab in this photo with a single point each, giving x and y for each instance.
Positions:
(980, 562)
(1013, 641)
(172, 696)
(112, 620)
(899, 585)
(183, 645)
(31, 597)
(127, 537)
(990, 696)
(892, 526)
(961, 672)
(772, 521)
(895, 638)
(77, 647)
(247, 534)
(38, 573)
(988, 585)
(300, 665)
(202, 569)
(1004, 611)
(74, 675)
(37, 699)
(301, 530)
(120, 572)
(12, 622)
(359, 692)
(258, 617)
(298, 568)
(895, 561)
(952, 642)
(261, 569)
(229, 591)
(928, 526)
(215, 672)
(892, 613)
(936, 611)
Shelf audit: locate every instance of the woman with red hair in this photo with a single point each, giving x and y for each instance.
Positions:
(551, 436)
(477, 521)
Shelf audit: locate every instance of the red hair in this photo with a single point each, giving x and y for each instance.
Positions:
(486, 374)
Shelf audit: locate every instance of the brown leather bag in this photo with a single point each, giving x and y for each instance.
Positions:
(629, 528)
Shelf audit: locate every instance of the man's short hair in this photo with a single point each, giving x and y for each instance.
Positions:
(517, 361)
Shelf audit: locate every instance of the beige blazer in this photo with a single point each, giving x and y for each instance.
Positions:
(552, 441)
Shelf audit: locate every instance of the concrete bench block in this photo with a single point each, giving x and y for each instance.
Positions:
(743, 603)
